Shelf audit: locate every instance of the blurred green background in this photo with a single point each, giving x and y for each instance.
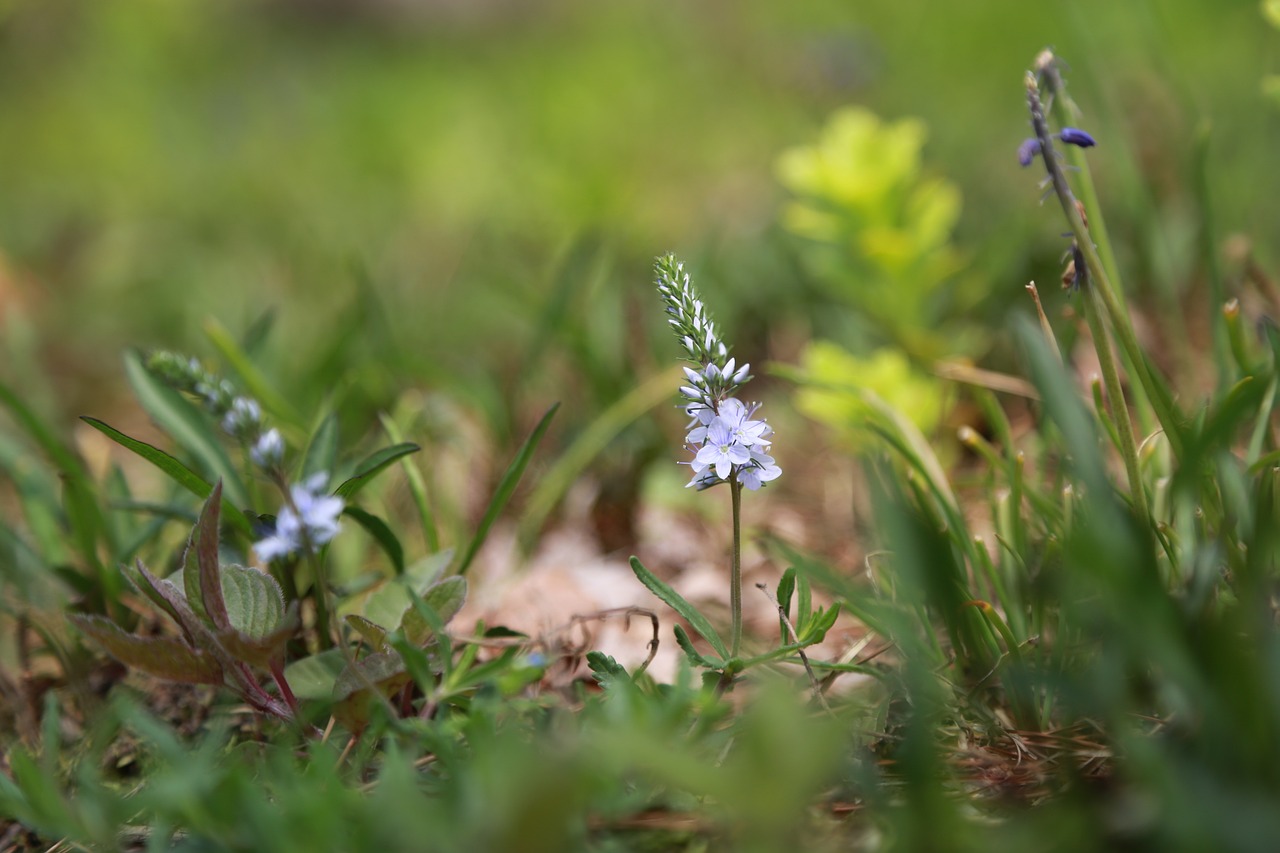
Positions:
(404, 181)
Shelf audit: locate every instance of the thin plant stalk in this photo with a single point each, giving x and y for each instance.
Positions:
(1115, 396)
(735, 572)
(1098, 279)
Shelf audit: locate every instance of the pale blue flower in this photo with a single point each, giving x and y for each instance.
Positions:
(268, 450)
(243, 418)
(721, 451)
(761, 470)
(309, 521)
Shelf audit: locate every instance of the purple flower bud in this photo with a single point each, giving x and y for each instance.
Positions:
(1028, 150)
(1076, 136)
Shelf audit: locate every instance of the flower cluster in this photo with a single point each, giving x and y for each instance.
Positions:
(1029, 148)
(240, 416)
(309, 520)
(727, 441)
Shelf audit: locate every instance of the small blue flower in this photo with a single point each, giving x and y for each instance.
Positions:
(1076, 136)
(1028, 150)
(311, 521)
(268, 450)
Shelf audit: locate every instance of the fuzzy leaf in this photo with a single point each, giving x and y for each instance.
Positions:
(678, 603)
(162, 657)
(253, 601)
(261, 650)
(605, 669)
(353, 700)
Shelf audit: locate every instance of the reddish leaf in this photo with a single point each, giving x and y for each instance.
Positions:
(160, 656)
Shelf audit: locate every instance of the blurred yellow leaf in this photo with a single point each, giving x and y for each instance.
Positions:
(835, 382)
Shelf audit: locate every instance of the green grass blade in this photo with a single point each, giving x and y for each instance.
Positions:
(371, 466)
(506, 488)
(173, 468)
(381, 533)
(182, 421)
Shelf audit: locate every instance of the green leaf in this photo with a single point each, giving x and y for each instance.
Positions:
(254, 382)
(589, 444)
(374, 634)
(162, 657)
(381, 533)
(444, 599)
(314, 677)
(506, 488)
(816, 631)
(353, 699)
(417, 488)
(677, 603)
(372, 465)
(254, 602)
(696, 657)
(786, 587)
(171, 466)
(322, 452)
(262, 650)
(804, 606)
(183, 421)
(606, 670)
(386, 605)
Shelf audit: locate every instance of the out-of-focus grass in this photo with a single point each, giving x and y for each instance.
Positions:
(167, 161)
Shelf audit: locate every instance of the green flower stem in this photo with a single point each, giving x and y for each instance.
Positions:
(1115, 396)
(735, 573)
(1099, 282)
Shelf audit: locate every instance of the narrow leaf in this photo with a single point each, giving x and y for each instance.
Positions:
(181, 420)
(506, 488)
(381, 533)
(171, 466)
(372, 465)
(696, 657)
(678, 603)
(322, 452)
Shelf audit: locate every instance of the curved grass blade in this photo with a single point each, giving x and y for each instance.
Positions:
(173, 467)
(381, 533)
(182, 421)
(372, 465)
(252, 379)
(417, 488)
(322, 452)
(506, 488)
(589, 445)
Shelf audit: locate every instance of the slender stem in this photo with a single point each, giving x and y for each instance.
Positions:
(1099, 280)
(1115, 396)
(325, 629)
(735, 575)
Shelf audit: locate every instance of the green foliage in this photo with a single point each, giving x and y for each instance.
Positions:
(878, 231)
(835, 386)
